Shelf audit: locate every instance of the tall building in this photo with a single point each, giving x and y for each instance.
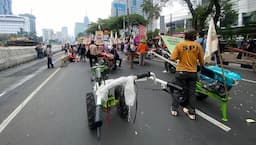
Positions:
(47, 34)
(5, 7)
(244, 9)
(64, 33)
(79, 28)
(10, 24)
(135, 7)
(59, 36)
(86, 20)
(118, 8)
(30, 23)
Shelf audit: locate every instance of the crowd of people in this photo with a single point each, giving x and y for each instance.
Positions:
(109, 55)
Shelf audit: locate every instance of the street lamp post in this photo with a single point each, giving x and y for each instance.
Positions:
(130, 56)
(128, 20)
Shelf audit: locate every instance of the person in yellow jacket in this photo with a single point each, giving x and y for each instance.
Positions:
(189, 54)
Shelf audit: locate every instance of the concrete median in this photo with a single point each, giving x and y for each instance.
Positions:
(12, 56)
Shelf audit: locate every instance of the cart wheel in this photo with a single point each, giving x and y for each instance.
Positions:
(91, 108)
(200, 96)
(122, 107)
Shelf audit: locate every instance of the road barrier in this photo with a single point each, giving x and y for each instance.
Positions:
(12, 56)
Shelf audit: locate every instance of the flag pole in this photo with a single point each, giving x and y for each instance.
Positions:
(212, 42)
(211, 47)
(223, 75)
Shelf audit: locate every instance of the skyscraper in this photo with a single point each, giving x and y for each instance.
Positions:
(47, 34)
(5, 7)
(135, 7)
(11, 24)
(30, 23)
(79, 28)
(118, 8)
(86, 20)
(64, 32)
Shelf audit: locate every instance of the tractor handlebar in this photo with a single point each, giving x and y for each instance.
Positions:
(143, 75)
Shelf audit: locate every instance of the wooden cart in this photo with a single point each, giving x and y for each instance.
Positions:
(247, 58)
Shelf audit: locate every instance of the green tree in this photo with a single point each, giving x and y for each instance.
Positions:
(152, 11)
(201, 13)
(216, 8)
(228, 16)
(152, 34)
(116, 23)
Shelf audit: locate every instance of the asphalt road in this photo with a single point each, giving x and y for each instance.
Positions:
(54, 112)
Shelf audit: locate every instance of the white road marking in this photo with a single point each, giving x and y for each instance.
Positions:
(2, 94)
(250, 81)
(24, 103)
(213, 121)
(22, 81)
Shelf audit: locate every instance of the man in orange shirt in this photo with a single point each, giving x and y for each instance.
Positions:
(142, 49)
(188, 53)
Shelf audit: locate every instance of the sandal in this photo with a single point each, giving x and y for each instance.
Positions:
(190, 116)
(174, 112)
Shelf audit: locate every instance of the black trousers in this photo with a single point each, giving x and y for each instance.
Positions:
(93, 59)
(187, 80)
(115, 61)
(49, 62)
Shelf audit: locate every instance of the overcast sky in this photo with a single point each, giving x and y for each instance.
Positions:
(55, 14)
(58, 13)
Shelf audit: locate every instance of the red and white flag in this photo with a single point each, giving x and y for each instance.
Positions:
(211, 42)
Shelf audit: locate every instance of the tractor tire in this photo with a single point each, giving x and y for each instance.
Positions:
(122, 107)
(200, 96)
(91, 109)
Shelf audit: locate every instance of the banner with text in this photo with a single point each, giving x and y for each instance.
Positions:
(171, 42)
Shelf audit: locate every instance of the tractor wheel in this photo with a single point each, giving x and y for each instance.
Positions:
(122, 107)
(91, 108)
(200, 96)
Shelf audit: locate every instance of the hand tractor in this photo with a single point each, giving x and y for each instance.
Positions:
(124, 97)
(211, 83)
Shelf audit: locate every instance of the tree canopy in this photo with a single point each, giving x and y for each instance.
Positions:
(216, 8)
(116, 23)
(151, 10)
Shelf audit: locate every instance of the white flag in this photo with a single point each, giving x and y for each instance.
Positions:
(211, 42)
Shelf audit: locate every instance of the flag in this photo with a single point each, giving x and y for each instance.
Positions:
(115, 39)
(111, 35)
(211, 42)
(141, 32)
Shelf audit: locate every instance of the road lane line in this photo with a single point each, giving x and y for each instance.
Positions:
(250, 81)
(2, 94)
(24, 103)
(22, 81)
(213, 121)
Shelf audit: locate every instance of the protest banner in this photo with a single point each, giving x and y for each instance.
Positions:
(171, 42)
